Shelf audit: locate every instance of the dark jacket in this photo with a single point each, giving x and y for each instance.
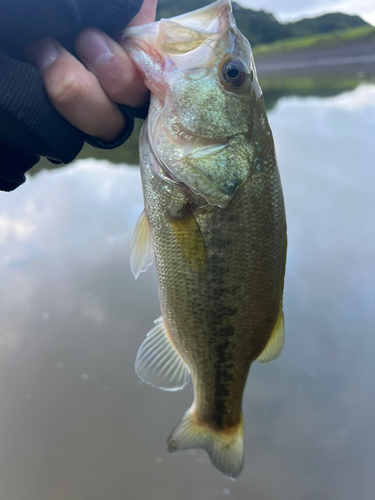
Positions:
(29, 125)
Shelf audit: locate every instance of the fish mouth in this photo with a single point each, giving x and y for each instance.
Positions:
(157, 47)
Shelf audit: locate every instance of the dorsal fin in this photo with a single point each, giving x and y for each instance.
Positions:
(158, 363)
(142, 253)
(276, 341)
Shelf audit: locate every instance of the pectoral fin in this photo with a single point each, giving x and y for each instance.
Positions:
(190, 240)
(142, 253)
(158, 363)
(276, 341)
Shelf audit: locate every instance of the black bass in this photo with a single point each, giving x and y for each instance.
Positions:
(214, 219)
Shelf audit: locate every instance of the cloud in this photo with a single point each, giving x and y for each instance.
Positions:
(51, 228)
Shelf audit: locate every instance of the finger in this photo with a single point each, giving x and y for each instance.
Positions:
(146, 13)
(112, 66)
(75, 92)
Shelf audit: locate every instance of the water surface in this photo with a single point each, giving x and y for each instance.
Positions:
(76, 424)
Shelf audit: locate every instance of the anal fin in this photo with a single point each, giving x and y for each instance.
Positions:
(158, 363)
(142, 253)
(276, 341)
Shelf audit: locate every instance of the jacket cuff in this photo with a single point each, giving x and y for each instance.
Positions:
(13, 165)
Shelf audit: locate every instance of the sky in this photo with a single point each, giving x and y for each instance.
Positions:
(290, 10)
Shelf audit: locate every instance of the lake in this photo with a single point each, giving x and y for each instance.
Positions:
(75, 421)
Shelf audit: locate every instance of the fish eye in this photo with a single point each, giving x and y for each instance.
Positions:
(234, 72)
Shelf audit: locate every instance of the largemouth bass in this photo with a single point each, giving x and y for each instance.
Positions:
(214, 219)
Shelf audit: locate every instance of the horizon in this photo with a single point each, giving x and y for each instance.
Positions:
(291, 11)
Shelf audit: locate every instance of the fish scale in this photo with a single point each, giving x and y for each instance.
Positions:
(215, 211)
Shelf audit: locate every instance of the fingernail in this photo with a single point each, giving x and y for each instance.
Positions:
(43, 52)
(94, 49)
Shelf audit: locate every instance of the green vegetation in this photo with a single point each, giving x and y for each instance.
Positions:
(326, 24)
(323, 40)
(274, 88)
(261, 27)
(306, 85)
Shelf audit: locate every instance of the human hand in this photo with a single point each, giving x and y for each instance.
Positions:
(85, 91)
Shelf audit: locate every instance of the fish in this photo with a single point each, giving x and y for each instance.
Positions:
(213, 221)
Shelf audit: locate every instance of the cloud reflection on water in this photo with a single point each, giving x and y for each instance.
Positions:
(75, 424)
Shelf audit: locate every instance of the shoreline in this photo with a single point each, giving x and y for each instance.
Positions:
(348, 58)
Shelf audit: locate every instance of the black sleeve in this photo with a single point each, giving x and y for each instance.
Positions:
(29, 125)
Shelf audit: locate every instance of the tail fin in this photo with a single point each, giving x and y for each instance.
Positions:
(225, 448)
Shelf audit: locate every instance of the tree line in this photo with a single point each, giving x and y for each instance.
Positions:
(262, 27)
